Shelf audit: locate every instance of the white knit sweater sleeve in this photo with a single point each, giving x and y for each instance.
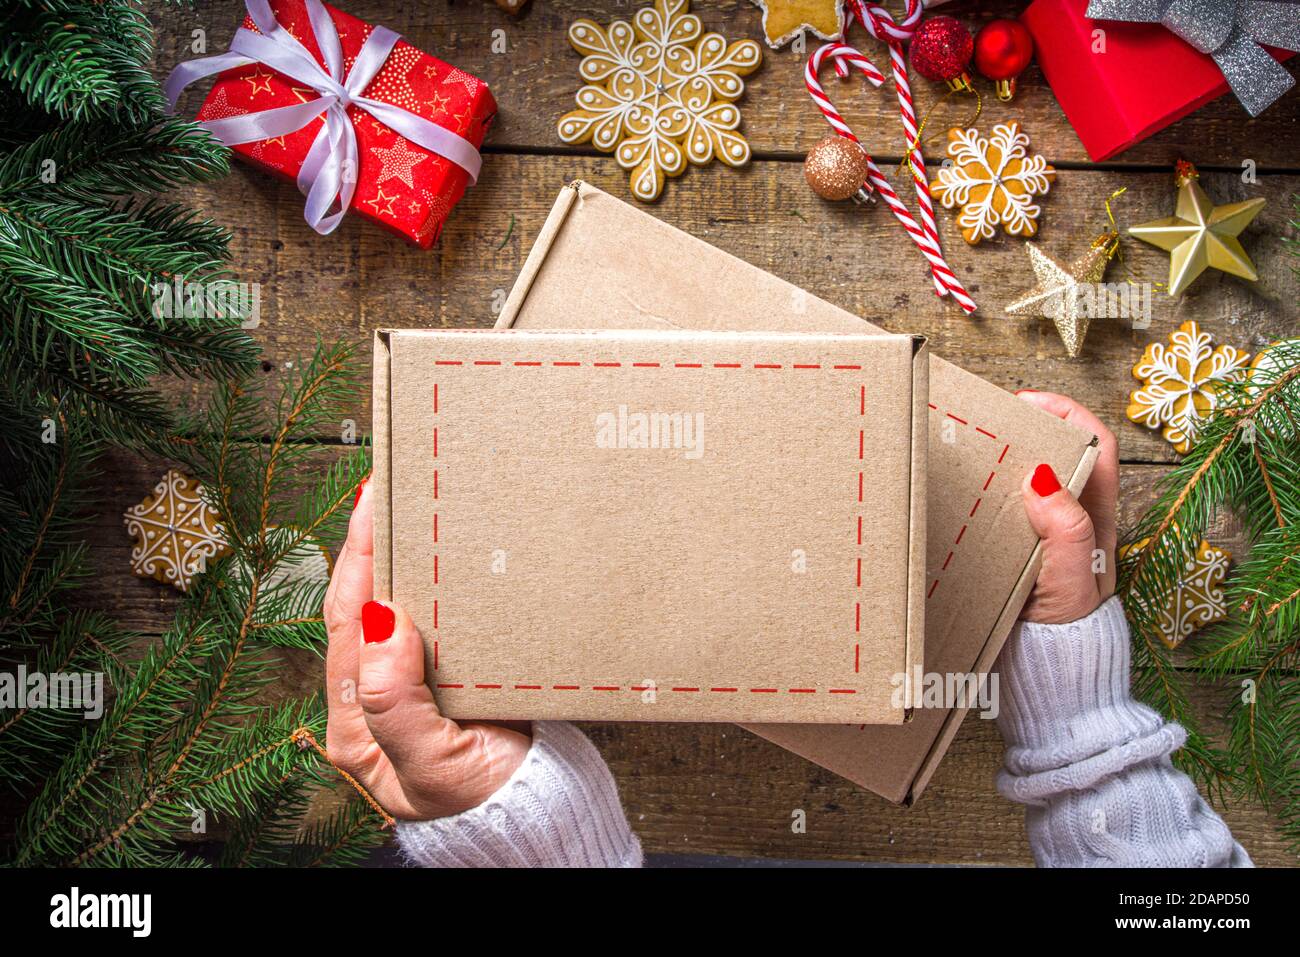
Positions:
(559, 809)
(1091, 764)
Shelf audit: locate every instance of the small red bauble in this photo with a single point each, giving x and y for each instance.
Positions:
(1003, 48)
(941, 51)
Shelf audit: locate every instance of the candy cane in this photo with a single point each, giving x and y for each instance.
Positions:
(881, 25)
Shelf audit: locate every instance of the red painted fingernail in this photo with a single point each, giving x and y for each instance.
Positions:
(1044, 481)
(361, 487)
(377, 622)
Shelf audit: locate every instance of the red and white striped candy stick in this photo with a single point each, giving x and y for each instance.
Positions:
(881, 25)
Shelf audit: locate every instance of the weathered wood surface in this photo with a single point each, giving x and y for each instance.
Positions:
(700, 788)
(714, 788)
(536, 76)
(361, 278)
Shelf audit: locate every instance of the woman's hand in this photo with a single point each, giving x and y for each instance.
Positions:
(1078, 572)
(384, 727)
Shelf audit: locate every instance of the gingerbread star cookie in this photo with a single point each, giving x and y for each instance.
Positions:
(1179, 382)
(994, 181)
(176, 532)
(783, 20)
(1196, 599)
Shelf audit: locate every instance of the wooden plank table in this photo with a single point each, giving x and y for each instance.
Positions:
(714, 789)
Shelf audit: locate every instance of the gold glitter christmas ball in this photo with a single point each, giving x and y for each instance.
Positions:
(836, 168)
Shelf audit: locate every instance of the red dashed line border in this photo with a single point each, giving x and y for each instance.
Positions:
(572, 364)
(979, 496)
(861, 397)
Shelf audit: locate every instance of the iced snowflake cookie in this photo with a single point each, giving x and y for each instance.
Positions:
(659, 92)
(1179, 382)
(994, 181)
(176, 532)
(1196, 600)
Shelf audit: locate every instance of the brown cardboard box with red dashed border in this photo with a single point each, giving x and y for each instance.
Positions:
(656, 525)
(601, 263)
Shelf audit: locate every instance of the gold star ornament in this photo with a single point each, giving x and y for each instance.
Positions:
(1061, 293)
(1200, 234)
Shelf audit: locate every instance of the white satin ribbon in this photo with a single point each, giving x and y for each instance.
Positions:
(329, 173)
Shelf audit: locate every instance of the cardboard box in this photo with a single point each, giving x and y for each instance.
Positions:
(656, 525)
(605, 264)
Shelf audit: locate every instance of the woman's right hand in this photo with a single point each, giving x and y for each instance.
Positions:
(1079, 535)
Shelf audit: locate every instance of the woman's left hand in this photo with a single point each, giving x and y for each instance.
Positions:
(384, 727)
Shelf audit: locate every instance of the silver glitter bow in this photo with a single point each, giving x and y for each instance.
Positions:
(1230, 31)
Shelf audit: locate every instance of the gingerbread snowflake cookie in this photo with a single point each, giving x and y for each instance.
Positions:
(1196, 599)
(1179, 382)
(176, 532)
(660, 92)
(994, 181)
(783, 20)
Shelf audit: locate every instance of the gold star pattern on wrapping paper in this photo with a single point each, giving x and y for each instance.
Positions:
(457, 75)
(659, 93)
(439, 210)
(464, 120)
(261, 82)
(783, 20)
(1197, 597)
(378, 201)
(176, 532)
(1179, 382)
(220, 108)
(439, 104)
(392, 83)
(994, 181)
(397, 162)
(1057, 295)
(1200, 235)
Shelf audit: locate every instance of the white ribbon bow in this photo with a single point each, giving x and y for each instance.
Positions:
(329, 173)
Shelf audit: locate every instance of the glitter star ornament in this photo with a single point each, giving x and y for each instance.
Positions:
(994, 181)
(1196, 599)
(1179, 382)
(176, 532)
(660, 92)
(1200, 235)
(1059, 293)
(783, 20)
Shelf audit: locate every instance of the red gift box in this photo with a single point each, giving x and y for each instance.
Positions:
(1145, 79)
(400, 185)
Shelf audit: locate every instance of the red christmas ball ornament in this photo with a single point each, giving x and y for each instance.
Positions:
(941, 51)
(1003, 48)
